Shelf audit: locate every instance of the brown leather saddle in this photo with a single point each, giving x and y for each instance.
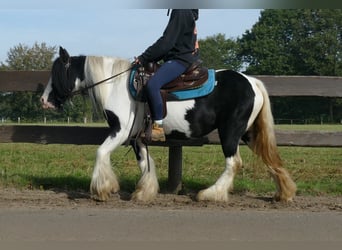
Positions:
(194, 77)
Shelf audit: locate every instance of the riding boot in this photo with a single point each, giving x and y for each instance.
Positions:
(157, 132)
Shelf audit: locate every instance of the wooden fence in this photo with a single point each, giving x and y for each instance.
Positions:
(276, 85)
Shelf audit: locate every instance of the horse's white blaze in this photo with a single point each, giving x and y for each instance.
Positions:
(175, 119)
(78, 84)
(48, 89)
(44, 98)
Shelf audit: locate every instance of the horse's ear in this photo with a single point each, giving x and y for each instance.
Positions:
(63, 55)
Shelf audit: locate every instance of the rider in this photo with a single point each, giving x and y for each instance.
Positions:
(178, 48)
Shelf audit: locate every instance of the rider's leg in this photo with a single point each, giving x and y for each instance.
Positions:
(169, 71)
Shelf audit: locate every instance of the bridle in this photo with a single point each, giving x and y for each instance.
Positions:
(61, 97)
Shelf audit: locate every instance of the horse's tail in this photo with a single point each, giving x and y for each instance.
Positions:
(265, 146)
(264, 140)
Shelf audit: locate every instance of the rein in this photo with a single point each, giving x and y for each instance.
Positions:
(98, 83)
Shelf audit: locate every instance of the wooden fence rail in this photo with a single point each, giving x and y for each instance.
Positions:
(324, 86)
(276, 85)
(82, 135)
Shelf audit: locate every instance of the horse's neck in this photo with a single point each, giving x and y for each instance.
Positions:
(100, 68)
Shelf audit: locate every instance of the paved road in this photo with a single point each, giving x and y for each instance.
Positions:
(118, 225)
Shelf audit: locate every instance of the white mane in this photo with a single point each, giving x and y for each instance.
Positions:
(99, 68)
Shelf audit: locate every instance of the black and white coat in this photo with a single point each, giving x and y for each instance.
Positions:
(239, 108)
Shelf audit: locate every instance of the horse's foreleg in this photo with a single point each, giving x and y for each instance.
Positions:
(219, 191)
(147, 187)
(104, 181)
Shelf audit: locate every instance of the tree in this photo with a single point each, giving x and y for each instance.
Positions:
(319, 42)
(218, 52)
(23, 57)
(294, 42)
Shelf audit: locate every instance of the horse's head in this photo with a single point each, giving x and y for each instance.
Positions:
(63, 80)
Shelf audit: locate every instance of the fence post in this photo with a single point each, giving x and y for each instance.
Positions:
(175, 169)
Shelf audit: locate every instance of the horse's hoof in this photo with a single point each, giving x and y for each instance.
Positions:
(280, 198)
(141, 195)
(104, 194)
(210, 194)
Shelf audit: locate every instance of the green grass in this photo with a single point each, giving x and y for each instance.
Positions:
(315, 170)
(311, 127)
(301, 127)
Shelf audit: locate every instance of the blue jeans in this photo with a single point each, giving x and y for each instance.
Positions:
(168, 71)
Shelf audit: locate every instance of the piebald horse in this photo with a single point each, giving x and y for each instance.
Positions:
(238, 107)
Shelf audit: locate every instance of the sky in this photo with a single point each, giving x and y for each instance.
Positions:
(104, 29)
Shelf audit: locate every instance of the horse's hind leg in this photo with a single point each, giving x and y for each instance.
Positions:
(229, 136)
(219, 191)
(286, 188)
(231, 127)
(147, 187)
(262, 140)
(104, 181)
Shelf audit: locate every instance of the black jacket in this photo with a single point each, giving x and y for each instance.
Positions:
(177, 41)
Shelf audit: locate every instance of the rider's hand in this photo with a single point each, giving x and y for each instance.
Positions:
(136, 60)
